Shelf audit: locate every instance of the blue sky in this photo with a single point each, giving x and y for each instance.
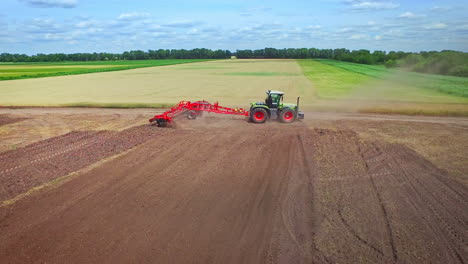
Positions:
(50, 26)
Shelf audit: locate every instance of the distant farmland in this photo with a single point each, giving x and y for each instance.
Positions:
(13, 71)
(323, 85)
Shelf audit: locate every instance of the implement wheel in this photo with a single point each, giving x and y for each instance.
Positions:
(258, 115)
(192, 114)
(287, 115)
(161, 123)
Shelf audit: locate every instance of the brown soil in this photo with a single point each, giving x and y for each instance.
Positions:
(38, 163)
(45, 123)
(228, 191)
(5, 119)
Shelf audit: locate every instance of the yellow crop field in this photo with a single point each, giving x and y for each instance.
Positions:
(231, 82)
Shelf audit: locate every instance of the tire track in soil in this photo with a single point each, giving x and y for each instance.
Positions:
(420, 183)
(443, 224)
(345, 195)
(293, 239)
(310, 178)
(354, 233)
(373, 171)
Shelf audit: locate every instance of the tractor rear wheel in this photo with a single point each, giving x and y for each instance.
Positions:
(287, 115)
(258, 115)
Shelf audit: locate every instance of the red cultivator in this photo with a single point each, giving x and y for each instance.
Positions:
(192, 110)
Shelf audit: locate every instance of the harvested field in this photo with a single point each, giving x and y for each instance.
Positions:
(230, 82)
(271, 193)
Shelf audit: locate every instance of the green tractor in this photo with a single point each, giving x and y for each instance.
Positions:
(274, 108)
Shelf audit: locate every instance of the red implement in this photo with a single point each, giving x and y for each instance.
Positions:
(192, 110)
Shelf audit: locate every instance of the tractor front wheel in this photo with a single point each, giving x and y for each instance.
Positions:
(287, 115)
(258, 115)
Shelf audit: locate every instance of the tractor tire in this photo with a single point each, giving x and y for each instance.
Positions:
(192, 115)
(287, 115)
(258, 115)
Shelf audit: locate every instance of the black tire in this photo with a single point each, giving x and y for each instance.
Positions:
(162, 123)
(192, 114)
(287, 115)
(258, 115)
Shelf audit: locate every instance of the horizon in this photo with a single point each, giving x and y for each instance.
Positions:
(83, 26)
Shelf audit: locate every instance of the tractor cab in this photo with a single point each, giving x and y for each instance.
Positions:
(274, 98)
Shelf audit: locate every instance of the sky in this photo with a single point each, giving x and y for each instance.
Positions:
(71, 26)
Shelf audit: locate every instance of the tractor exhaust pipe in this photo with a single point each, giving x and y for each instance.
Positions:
(297, 111)
(299, 114)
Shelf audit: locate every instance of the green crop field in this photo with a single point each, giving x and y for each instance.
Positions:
(377, 89)
(12, 71)
(337, 79)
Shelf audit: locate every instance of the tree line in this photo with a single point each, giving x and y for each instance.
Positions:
(444, 62)
(159, 54)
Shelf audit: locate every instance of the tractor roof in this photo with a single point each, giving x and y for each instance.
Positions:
(274, 92)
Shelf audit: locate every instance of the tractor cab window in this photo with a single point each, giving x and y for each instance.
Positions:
(273, 100)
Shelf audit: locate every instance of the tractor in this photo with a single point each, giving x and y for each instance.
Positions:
(274, 108)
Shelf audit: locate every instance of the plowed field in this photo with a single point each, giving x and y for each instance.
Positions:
(221, 190)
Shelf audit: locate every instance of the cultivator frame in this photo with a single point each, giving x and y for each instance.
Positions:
(194, 109)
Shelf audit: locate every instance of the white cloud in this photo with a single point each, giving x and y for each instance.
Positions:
(193, 31)
(255, 10)
(440, 8)
(363, 5)
(436, 26)
(43, 25)
(358, 37)
(85, 24)
(410, 15)
(52, 3)
(346, 29)
(50, 36)
(133, 16)
(378, 37)
(313, 27)
(182, 24)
